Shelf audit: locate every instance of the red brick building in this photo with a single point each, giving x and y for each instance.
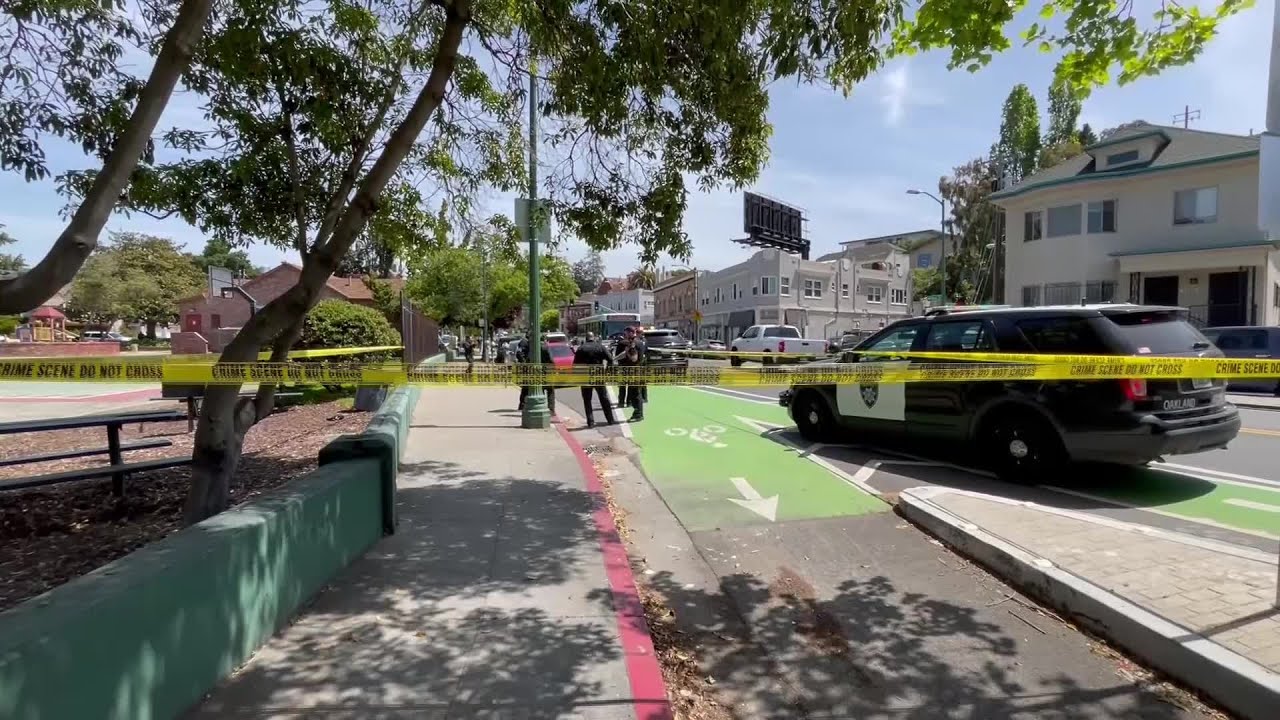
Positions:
(209, 323)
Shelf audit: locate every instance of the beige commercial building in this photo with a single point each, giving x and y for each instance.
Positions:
(1154, 214)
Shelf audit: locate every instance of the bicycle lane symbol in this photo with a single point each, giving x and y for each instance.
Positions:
(707, 434)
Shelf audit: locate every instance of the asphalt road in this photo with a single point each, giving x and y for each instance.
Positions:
(856, 613)
(1231, 495)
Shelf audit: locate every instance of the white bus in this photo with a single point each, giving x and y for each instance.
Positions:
(608, 326)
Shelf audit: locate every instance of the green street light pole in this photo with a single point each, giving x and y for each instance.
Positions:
(536, 414)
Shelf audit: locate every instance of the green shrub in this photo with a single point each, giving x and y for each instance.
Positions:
(9, 324)
(337, 323)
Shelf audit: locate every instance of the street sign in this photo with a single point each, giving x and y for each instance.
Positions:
(697, 316)
(543, 232)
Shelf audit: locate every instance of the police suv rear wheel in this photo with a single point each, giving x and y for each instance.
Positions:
(1021, 447)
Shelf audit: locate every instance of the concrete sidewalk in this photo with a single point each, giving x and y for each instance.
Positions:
(1202, 611)
(505, 593)
(1254, 401)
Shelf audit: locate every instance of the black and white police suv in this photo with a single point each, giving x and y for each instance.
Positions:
(1023, 429)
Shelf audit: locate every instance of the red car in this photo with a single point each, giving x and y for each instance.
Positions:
(561, 354)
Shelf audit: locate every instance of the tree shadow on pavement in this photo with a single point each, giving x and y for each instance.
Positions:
(490, 598)
(870, 651)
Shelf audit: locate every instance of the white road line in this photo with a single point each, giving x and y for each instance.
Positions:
(1253, 505)
(1220, 473)
(1158, 511)
(622, 422)
(723, 392)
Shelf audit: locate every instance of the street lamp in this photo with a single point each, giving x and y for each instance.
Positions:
(942, 262)
(537, 414)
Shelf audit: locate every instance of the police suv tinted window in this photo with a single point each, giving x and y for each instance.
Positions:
(1158, 332)
(898, 339)
(969, 335)
(782, 331)
(1065, 334)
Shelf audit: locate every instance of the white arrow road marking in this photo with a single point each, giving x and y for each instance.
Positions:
(753, 501)
(760, 425)
(1253, 505)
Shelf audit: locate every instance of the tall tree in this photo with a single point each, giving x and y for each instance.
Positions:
(642, 277)
(975, 223)
(1087, 136)
(10, 263)
(218, 252)
(63, 76)
(1018, 150)
(588, 272)
(316, 108)
(135, 277)
(1064, 113)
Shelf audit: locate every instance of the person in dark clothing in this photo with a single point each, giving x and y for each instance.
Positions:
(592, 352)
(631, 353)
(550, 391)
(469, 353)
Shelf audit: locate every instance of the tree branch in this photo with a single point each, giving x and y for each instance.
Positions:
(401, 141)
(299, 205)
(78, 240)
(361, 151)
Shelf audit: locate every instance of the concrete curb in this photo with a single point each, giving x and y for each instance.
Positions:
(1235, 682)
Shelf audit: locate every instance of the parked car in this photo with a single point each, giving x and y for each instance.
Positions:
(555, 337)
(773, 339)
(709, 345)
(1028, 430)
(660, 339)
(104, 336)
(1251, 342)
(561, 354)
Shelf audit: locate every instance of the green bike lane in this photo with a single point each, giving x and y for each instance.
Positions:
(693, 443)
(711, 459)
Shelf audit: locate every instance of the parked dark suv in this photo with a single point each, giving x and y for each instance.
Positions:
(660, 339)
(1026, 429)
(1250, 342)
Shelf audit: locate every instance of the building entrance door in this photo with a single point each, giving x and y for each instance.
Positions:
(1228, 299)
(1160, 290)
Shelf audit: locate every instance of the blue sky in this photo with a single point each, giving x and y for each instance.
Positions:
(847, 162)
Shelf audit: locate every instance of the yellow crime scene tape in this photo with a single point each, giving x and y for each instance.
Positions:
(993, 367)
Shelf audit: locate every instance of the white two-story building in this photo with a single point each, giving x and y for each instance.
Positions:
(1157, 215)
(854, 289)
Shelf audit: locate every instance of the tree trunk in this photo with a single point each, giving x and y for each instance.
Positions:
(151, 329)
(224, 416)
(57, 268)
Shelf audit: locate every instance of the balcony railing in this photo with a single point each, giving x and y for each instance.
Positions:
(1220, 314)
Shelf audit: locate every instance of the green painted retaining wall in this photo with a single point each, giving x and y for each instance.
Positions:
(144, 638)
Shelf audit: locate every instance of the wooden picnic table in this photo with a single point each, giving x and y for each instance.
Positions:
(117, 469)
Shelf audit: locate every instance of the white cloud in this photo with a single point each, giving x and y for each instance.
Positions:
(899, 92)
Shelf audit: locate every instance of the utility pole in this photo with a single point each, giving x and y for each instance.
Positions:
(1269, 164)
(1186, 116)
(536, 414)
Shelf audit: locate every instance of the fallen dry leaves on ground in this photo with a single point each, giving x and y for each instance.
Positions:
(54, 534)
(691, 693)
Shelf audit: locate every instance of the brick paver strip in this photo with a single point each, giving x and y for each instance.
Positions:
(1223, 596)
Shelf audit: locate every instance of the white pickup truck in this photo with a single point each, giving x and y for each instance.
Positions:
(774, 339)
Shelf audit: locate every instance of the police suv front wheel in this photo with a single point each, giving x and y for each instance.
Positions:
(1021, 447)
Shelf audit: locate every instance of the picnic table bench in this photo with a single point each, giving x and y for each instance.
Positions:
(191, 395)
(117, 470)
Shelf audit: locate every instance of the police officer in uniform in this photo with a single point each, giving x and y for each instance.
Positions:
(550, 391)
(589, 353)
(632, 352)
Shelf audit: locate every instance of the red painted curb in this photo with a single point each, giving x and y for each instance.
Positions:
(648, 691)
(105, 397)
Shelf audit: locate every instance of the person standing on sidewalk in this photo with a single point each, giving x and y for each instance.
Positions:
(549, 390)
(469, 352)
(591, 353)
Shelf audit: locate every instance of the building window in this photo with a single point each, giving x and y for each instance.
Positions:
(1100, 291)
(1194, 207)
(1102, 216)
(875, 294)
(898, 296)
(813, 288)
(1030, 295)
(924, 260)
(1122, 157)
(784, 286)
(767, 285)
(215, 320)
(1032, 226)
(844, 290)
(1063, 221)
(1063, 293)
(735, 294)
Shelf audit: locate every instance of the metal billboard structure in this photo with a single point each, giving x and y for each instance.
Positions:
(771, 223)
(219, 278)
